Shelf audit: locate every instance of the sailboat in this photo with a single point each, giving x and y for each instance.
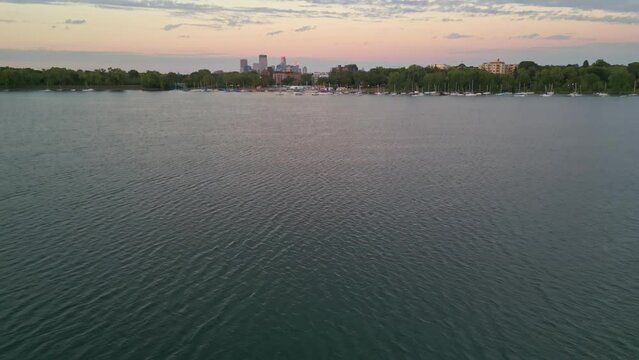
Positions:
(634, 91)
(521, 93)
(87, 88)
(472, 90)
(575, 93)
(604, 93)
(549, 92)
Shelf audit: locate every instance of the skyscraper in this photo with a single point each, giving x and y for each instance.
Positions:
(263, 63)
(282, 65)
(243, 65)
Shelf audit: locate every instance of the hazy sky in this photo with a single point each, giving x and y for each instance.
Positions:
(185, 35)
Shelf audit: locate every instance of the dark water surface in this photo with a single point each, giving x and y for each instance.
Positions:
(250, 226)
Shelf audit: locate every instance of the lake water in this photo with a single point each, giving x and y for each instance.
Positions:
(142, 225)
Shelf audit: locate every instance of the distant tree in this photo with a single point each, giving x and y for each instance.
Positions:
(151, 80)
(590, 83)
(620, 80)
(601, 63)
(585, 64)
(133, 76)
(527, 65)
(288, 81)
(116, 76)
(307, 79)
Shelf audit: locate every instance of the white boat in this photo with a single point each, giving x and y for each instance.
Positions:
(522, 93)
(471, 91)
(601, 94)
(575, 93)
(88, 90)
(549, 91)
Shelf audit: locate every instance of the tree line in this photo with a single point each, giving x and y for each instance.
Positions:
(529, 76)
(15, 78)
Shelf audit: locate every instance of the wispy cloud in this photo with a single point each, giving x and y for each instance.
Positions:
(455, 36)
(558, 37)
(305, 28)
(169, 27)
(75, 21)
(608, 11)
(528, 36)
(184, 36)
(273, 33)
(451, 20)
(7, 21)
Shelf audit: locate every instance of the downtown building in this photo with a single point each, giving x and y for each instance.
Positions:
(263, 63)
(498, 67)
(244, 66)
(259, 67)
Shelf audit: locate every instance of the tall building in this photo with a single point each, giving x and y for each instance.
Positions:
(498, 67)
(282, 65)
(304, 70)
(263, 63)
(244, 65)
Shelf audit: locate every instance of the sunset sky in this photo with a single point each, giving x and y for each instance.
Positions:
(185, 35)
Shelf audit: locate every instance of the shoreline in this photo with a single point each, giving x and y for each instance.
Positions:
(306, 92)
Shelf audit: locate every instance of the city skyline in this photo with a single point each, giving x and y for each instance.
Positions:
(190, 34)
